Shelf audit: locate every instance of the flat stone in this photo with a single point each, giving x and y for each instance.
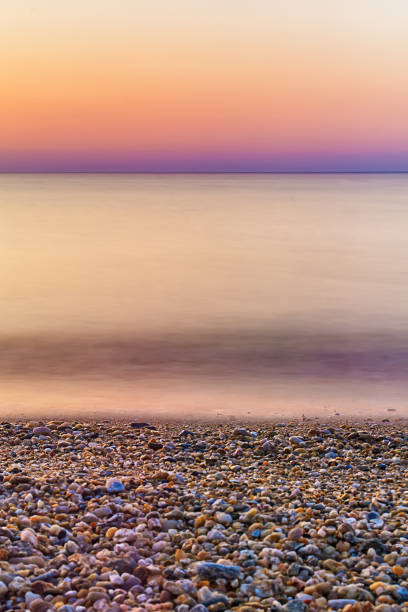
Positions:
(213, 571)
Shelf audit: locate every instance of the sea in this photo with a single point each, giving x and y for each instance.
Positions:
(218, 297)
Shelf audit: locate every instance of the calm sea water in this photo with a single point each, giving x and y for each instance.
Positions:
(224, 296)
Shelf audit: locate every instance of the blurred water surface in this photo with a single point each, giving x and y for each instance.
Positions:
(223, 296)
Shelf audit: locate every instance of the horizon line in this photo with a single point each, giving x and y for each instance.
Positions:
(199, 172)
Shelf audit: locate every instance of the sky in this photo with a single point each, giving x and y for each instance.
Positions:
(203, 85)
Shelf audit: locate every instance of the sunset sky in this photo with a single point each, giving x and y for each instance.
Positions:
(203, 85)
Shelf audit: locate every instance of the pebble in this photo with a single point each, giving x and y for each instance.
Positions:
(38, 605)
(203, 517)
(28, 535)
(213, 571)
(141, 425)
(114, 485)
(339, 604)
(295, 606)
(41, 430)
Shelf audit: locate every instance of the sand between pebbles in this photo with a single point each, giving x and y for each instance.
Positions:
(295, 516)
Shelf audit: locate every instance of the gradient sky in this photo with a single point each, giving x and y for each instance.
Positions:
(210, 85)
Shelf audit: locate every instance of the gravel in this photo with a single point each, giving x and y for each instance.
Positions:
(203, 517)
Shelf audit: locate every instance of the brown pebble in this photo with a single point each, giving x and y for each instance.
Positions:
(39, 605)
(296, 533)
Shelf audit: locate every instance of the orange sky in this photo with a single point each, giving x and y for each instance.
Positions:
(127, 80)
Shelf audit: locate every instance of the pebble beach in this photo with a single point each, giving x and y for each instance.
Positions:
(137, 516)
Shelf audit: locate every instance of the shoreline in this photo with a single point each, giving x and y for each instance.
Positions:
(392, 419)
